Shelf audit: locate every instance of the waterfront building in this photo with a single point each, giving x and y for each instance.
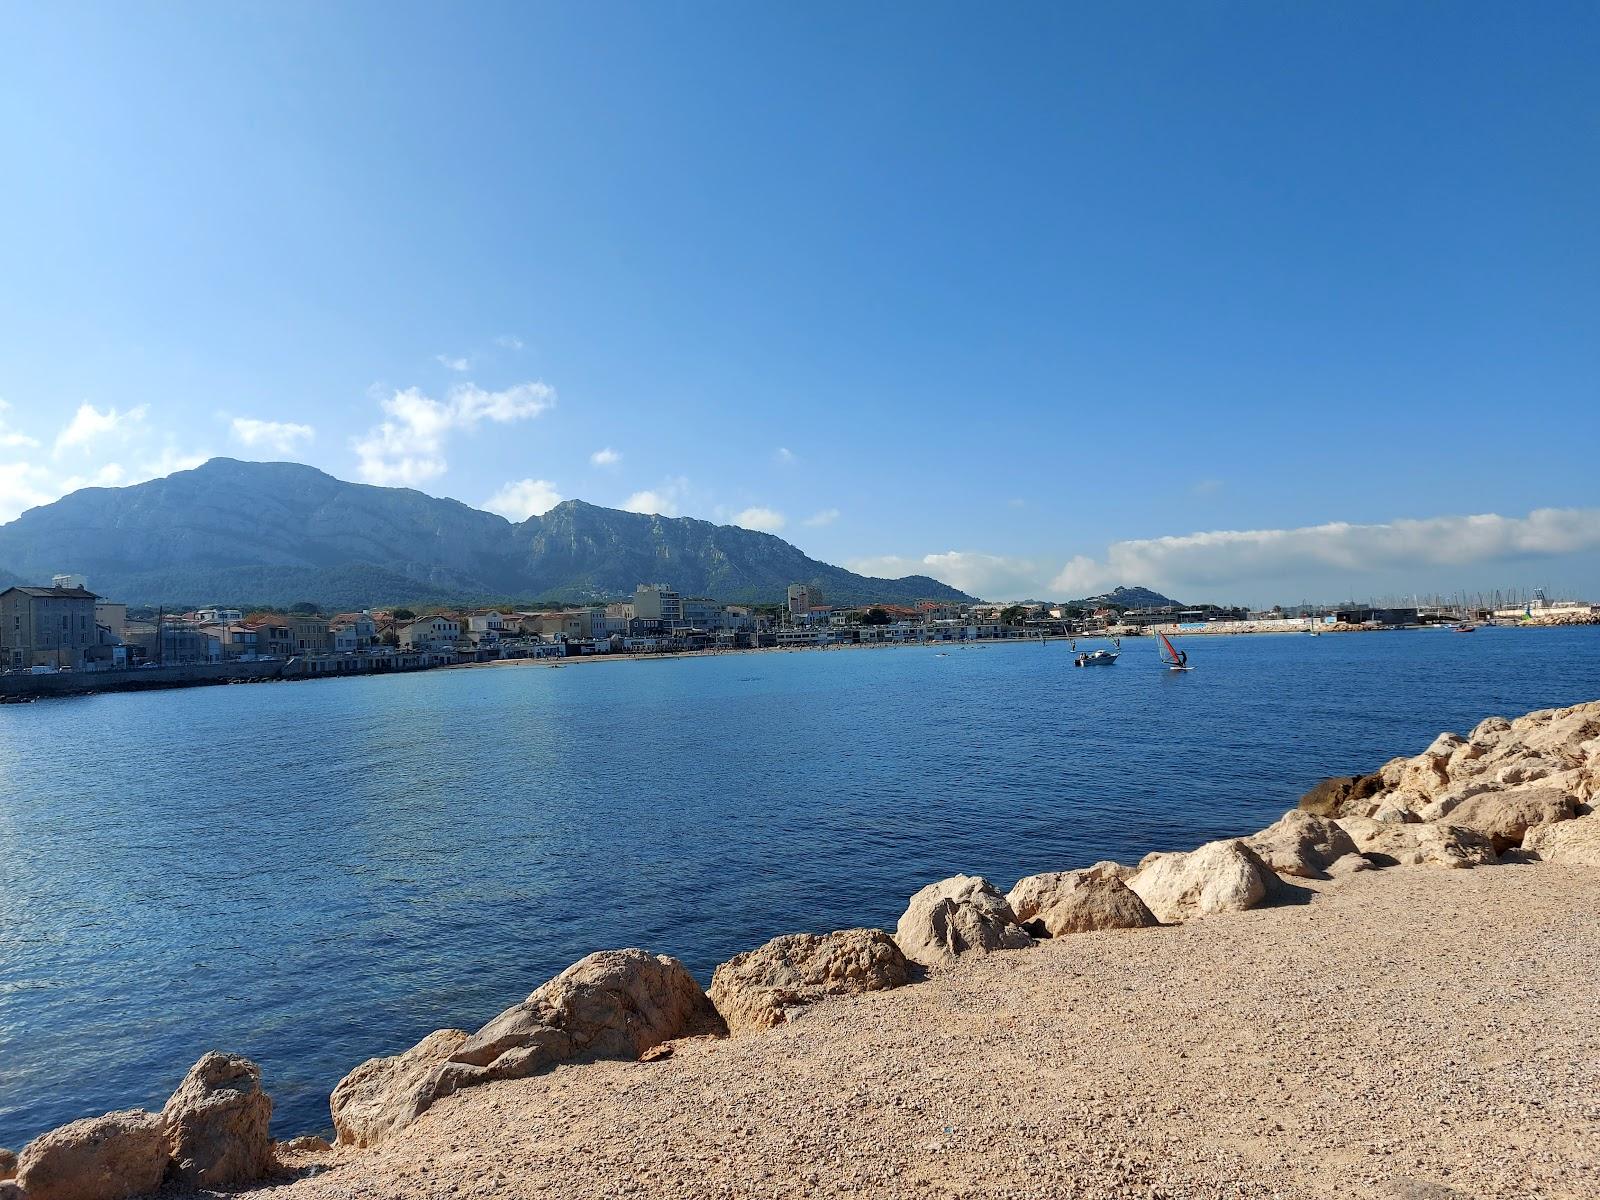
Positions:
(112, 616)
(308, 634)
(236, 639)
(215, 615)
(437, 635)
(803, 598)
(353, 633)
(173, 643)
(657, 604)
(47, 627)
(605, 624)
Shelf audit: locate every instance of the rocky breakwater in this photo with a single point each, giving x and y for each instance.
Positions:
(1518, 790)
(1521, 788)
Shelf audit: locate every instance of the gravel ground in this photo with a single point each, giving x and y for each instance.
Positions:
(1412, 1033)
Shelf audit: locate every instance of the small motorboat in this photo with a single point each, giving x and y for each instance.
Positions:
(1099, 658)
(1464, 627)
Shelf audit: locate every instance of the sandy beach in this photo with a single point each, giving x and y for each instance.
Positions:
(1417, 1033)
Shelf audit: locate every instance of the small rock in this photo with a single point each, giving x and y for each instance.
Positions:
(306, 1143)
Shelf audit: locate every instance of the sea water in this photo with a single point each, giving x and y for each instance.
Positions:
(314, 873)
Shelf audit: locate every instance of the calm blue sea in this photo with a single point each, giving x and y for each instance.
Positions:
(311, 874)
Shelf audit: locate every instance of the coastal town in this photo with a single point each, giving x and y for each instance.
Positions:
(67, 629)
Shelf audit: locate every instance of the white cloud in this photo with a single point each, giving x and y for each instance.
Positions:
(1339, 551)
(508, 341)
(523, 499)
(606, 457)
(452, 364)
(169, 460)
(784, 455)
(109, 475)
(826, 517)
(765, 520)
(987, 576)
(23, 486)
(276, 435)
(665, 501)
(407, 447)
(10, 438)
(89, 424)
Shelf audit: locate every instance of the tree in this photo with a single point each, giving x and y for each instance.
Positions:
(305, 607)
(1013, 615)
(876, 616)
(389, 637)
(404, 614)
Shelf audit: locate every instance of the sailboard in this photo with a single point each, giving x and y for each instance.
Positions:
(1170, 658)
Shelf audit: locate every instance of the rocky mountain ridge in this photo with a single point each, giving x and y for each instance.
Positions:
(280, 533)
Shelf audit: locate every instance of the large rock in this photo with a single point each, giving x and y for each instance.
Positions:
(614, 1004)
(1505, 816)
(1333, 797)
(217, 1123)
(100, 1158)
(964, 914)
(1576, 841)
(1222, 876)
(8, 1164)
(1064, 902)
(386, 1094)
(1299, 843)
(1419, 845)
(759, 988)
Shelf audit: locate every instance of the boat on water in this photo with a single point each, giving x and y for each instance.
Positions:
(1097, 658)
(1464, 627)
(1171, 657)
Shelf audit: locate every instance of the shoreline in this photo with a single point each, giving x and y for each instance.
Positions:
(22, 689)
(1511, 798)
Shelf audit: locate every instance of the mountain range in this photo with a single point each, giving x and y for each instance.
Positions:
(282, 533)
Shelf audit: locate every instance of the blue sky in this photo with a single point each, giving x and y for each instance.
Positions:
(1025, 298)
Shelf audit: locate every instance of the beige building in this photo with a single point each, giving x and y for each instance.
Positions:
(113, 616)
(47, 627)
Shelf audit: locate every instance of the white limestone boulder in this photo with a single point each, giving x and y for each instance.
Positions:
(1576, 842)
(1435, 844)
(1299, 843)
(1504, 817)
(217, 1124)
(384, 1095)
(112, 1157)
(964, 914)
(1058, 903)
(761, 988)
(1221, 876)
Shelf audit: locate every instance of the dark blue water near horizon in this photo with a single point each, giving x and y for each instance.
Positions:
(314, 874)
